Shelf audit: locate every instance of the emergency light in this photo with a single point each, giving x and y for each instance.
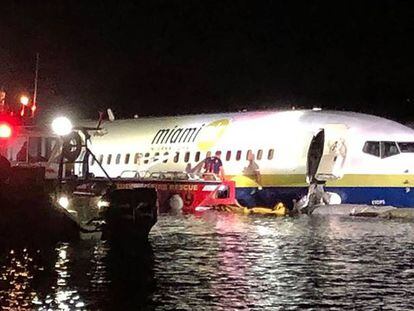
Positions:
(5, 131)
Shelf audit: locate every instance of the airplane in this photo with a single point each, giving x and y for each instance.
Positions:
(272, 156)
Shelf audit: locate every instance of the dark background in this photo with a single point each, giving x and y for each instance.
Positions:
(178, 57)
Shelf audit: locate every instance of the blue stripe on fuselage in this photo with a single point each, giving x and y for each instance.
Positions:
(269, 196)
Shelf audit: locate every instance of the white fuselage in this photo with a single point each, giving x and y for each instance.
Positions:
(276, 141)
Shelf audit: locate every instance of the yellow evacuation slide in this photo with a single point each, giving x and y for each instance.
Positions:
(278, 210)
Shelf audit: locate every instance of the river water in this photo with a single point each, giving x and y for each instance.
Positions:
(222, 262)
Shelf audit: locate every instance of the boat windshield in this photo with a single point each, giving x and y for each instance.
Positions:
(406, 146)
(176, 175)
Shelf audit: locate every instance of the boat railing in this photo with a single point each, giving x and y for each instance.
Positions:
(169, 175)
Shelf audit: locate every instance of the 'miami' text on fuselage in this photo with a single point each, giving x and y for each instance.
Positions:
(176, 135)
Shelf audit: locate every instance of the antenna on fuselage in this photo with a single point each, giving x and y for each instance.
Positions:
(111, 115)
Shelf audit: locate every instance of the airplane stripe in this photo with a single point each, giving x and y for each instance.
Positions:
(349, 180)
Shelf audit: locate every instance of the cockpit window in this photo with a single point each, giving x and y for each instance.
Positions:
(389, 148)
(383, 149)
(406, 147)
(372, 148)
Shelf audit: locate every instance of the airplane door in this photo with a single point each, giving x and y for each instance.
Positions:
(327, 154)
(315, 152)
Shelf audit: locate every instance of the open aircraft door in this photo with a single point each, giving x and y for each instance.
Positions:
(327, 153)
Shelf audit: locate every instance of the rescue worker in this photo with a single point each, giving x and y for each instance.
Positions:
(214, 165)
(254, 170)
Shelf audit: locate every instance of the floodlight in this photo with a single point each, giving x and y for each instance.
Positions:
(62, 126)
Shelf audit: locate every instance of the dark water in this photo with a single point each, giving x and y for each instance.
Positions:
(222, 262)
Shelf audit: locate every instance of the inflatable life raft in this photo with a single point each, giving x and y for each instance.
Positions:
(278, 210)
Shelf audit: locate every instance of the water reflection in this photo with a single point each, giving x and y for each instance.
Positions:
(129, 281)
(64, 297)
(78, 276)
(15, 278)
(222, 262)
(235, 262)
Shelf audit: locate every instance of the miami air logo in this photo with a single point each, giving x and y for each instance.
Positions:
(211, 134)
(205, 136)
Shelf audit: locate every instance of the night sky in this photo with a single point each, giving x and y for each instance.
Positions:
(178, 57)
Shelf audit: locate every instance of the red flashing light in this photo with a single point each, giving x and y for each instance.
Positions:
(8, 126)
(5, 131)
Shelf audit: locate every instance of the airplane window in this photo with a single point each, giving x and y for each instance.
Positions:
(118, 158)
(127, 156)
(197, 156)
(108, 159)
(156, 156)
(228, 155)
(259, 154)
(177, 157)
(101, 159)
(147, 154)
(137, 158)
(406, 146)
(372, 148)
(270, 154)
(165, 157)
(186, 157)
(248, 154)
(388, 149)
(238, 155)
